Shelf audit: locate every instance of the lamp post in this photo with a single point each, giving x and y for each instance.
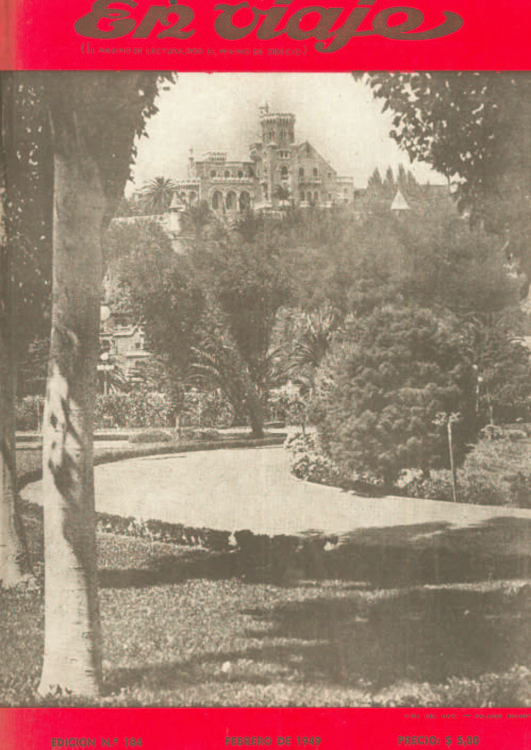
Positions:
(443, 418)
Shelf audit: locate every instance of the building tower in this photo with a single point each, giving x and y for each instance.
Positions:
(278, 128)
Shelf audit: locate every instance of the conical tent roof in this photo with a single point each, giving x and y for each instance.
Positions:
(399, 203)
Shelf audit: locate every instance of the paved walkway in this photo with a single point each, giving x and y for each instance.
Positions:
(231, 490)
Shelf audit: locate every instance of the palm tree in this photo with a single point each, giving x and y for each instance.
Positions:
(157, 194)
(219, 365)
(310, 349)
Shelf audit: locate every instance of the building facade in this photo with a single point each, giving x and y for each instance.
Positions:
(279, 172)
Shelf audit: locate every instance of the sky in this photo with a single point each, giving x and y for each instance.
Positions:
(219, 112)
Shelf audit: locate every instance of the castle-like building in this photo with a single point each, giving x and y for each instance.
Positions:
(279, 172)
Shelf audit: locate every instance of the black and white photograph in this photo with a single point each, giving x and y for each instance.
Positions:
(265, 389)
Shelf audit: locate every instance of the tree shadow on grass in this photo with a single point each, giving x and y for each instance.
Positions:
(389, 557)
(362, 639)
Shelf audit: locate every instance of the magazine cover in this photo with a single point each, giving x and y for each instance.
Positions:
(265, 374)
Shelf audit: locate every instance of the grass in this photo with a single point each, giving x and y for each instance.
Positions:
(384, 618)
(416, 616)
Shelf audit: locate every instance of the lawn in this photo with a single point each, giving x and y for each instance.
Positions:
(382, 617)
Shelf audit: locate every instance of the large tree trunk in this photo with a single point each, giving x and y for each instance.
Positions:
(253, 403)
(72, 648)
(14, 561)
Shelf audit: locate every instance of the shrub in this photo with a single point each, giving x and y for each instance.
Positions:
(134, 409)
(206, 435)
(151, 436)
(496, 472)
(309, 462)
(209, 409)
(381, 390)
(286, 407)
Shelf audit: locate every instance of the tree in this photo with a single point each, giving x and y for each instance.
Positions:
(95, 117)
(242, 271)
(281, 193)
(28, 217)
(475, 129)
(183, 320)
(375, 181)
(310, 346)
(383, 387)
(157, 194)
(14, 561)
(160, 288)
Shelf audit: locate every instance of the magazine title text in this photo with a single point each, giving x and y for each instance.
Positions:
(328, 28)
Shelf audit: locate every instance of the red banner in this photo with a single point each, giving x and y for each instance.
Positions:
(267, 36)
(289, 729)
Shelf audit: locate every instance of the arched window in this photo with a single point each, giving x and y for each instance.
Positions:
(244, 201)
(227, 173)
(284, 172)
(301, 172)
(216, 200)
(309, 197)
(315, 172)
(240, 173)
(213, 173)
(230, 201)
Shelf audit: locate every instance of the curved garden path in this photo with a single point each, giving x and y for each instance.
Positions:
(235, 489)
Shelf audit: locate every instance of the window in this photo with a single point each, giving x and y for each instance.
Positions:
(301, 172)
(240, 173)
(284, 172)
(302, 196)
(213, 173)
(226, 174)
(315, 172)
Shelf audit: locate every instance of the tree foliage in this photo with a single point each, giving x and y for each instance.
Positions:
(147, 278)
(385, 384)
(156, 195)
(475, 129)
(383, 387)
(243, 271)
